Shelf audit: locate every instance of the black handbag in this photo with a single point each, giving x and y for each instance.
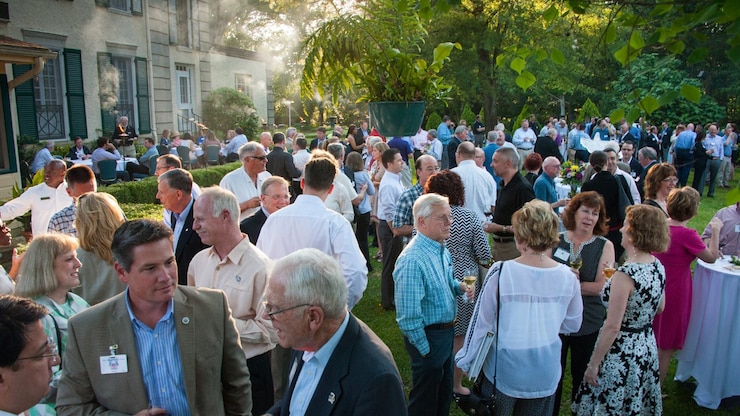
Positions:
(477, 403)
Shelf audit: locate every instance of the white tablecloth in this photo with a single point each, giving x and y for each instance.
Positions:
(561, 189)
(120, 164)
(711, 353)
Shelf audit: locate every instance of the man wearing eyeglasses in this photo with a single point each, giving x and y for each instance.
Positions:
(157, 348)
(245, 182)
(338, 365)
(26, 355)
(425, 292)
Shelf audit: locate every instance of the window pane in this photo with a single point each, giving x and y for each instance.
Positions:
(49, 104)
(123, 5)
(125, 104)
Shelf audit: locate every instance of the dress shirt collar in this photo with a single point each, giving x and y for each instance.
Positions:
(238, 252)
(324, 353)
(426, 242)
(466, 162)
(264, 211)
(134, 320)
(396, 177)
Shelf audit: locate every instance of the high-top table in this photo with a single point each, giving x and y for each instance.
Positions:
(711, 353)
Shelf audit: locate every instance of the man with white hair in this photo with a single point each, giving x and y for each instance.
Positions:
(245, 181)
(524, 140)
(425, 292)
(124, 137)
(339, 366)
(434, 147)
(480, 188)
(237, 267)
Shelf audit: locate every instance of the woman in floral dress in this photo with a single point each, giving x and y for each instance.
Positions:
(622, 376)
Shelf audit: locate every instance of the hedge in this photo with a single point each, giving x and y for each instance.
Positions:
(145, 190)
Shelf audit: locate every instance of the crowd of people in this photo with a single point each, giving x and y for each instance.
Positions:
(240, 300)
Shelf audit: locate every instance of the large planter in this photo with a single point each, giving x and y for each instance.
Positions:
(397, 119)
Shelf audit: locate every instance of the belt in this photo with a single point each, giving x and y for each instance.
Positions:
(715, 158)
(502, 239)
(636, 330)
(434, 327)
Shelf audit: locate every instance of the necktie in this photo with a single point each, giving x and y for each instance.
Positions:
(173, 219)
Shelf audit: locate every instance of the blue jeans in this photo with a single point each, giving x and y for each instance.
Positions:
(683, 160)
(431, 390)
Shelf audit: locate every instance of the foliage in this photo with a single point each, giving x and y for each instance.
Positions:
(145, 190)
(226, 108)
(433, 121)
(649, 76)
(375, 50)
(523, 115)
(468, 115)
(588, 110)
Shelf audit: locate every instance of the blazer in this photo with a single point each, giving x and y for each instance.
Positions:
(73, 152)
(546, 146)
(280, 163)
(360, 378)
(640, 182)
(251, 226)
(214, 369)
(188, 245)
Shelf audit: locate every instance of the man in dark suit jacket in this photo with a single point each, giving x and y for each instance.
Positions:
(359, 375)
(628, 157)
(175, 192)
(181, 339)
(124, 137)
(274, 195)
(79, 150)
(546, 146)
(318, 142)
(279, 162)
(647, 156)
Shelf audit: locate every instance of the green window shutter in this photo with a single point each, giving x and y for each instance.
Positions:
(108, 90)
(103, 3)
(136, 8)
(26, 104)
(75, 93)
(142, 95)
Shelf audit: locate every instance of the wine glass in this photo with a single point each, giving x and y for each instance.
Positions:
(575, 261)
(469, 278)
(610, 267)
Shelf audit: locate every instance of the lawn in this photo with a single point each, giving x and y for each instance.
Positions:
(678, 402)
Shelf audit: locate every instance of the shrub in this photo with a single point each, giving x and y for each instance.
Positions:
(588, 110)
(468, 115)
(226, 108)
(433, 121)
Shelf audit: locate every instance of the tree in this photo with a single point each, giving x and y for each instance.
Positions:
(588, 110)
(226, 108)
(467, 115)
(433, 121)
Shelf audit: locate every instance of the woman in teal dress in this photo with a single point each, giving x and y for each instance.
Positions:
(48, 282)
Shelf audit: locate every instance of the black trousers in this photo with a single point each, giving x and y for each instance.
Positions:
(392, 247)
(580, 348)
(260, 375)
(361, 234)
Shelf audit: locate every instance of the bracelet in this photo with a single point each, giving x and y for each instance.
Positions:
(504, 228)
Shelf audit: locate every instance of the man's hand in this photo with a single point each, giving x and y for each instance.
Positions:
(5, 237)
(250, 203)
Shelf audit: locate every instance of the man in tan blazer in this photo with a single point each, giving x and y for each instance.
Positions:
(157, 347)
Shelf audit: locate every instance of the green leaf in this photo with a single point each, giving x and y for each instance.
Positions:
(691, 93)
(649, 104)
(443, 6)
(660, 9)
(625, 55)
(557, 56)
(525, 80)
(442, 51)
(518, 65)
(734, 54)
(611, 33)
(500, 60)
(633, 115)
(636, 40)
(733, 196)
(541, 55)
(667, 98)
(425, 11)
(698, 55)
(676, 47)
(617, 115)
(550, 14)
(402, 5)
(578, 6)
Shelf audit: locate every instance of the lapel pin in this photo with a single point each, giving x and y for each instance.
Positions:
(239, 279)
(332, 398)
(185, 320)
(113, 349)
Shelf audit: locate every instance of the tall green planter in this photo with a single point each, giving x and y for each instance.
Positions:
(397, 119)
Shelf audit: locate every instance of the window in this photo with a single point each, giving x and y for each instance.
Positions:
(124, 91)
(125, 104)
(122, 5)
(243, 83)
(49, 99)
(127, 6)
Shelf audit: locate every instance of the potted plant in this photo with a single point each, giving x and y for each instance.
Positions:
(377, 52)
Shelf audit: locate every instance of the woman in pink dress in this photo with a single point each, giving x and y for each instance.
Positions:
(670, 327)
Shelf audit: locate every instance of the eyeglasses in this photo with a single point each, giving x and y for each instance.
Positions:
(260, 158)
(52, 351)
(446, 219)
(277, 197)
(670, 180)
(271, 313)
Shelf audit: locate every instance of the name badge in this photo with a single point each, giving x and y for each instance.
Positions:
(113, 364)
(44, 198)
(561, 254)
(737, 228)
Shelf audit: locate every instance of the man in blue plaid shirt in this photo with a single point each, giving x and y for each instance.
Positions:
(425, 292)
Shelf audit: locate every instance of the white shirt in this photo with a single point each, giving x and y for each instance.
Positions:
(240, 184)
(339, 202)
(43, 201)
(300, 158)
(389, 192)
(524, 139)
(419, 140)
(435, 149)
(308, 223)
(633, 186)
(480, 188)
(344, 180)
(102, 154)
